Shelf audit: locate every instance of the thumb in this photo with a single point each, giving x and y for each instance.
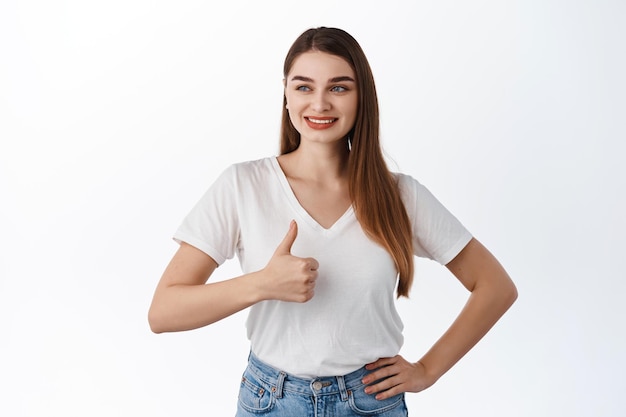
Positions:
(285, 246)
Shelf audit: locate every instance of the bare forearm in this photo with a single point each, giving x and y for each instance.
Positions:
(483, 309)
(184, 301)
(185, 307)
(492, 293)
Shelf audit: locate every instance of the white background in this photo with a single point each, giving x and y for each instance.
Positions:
(115, 116)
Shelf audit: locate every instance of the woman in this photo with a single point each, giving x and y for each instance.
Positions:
(324, 331)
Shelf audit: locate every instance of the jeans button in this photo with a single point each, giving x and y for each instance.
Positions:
(317, 385)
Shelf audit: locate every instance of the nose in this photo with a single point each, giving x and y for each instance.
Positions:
(320, 102)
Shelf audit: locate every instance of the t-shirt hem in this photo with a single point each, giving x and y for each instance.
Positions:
(199, 244)
(455, 249)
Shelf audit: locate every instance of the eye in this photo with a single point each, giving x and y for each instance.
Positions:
(304, 88)
(338, 89)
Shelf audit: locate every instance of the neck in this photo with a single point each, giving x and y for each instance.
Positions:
(319, 162)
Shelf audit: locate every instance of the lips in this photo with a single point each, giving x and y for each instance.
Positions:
(320, 123)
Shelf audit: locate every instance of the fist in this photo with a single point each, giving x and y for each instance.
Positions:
(288, 277)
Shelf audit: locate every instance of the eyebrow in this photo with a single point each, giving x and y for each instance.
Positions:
(332, 80)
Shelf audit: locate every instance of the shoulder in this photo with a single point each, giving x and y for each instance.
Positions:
(408, 186)
(238, 180)
(251, 177)
(415, 195)
(249, 169)
(252, 165)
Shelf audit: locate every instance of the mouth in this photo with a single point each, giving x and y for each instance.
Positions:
(320, 122)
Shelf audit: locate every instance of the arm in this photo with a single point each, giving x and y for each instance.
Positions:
(183, 300)
(492, 293)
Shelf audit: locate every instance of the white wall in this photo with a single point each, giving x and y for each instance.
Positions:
(115, 116)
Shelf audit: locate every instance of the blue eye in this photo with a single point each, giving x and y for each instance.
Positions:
(338, 89)
(303, 88)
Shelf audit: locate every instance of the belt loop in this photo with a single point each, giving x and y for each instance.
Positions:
(342, 388)
(279, 384)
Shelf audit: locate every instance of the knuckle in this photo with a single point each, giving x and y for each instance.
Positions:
(304, 296)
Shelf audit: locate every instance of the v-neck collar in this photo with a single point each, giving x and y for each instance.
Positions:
(304, 215)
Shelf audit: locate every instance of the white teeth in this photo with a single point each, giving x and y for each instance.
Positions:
(322, 122)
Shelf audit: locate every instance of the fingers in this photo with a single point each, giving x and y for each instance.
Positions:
(392, 376)
(285, 246)
(309, 270)
(383, 369)
(387, 388)
(380, 363)
(313, 265)
(289, 277)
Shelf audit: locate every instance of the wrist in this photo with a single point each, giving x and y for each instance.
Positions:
(429, 372)
(254, 282)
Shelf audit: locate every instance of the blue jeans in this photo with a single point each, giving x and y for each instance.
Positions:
(266, 391)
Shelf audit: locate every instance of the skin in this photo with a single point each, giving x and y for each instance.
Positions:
(492, 293)
(319, 87)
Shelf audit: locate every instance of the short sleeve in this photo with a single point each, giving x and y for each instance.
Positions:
(437, 233)
(212, 225)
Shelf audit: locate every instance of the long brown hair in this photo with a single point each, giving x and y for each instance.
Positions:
(373, 188)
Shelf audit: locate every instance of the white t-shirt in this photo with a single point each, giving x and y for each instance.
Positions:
(352, 318)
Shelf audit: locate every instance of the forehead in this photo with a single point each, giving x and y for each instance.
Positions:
(320, 66)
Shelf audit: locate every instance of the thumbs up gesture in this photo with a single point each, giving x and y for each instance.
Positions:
(288, 277)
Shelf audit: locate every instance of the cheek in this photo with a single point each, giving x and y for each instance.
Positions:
(292, 103)
(294, 120)
(295, 107)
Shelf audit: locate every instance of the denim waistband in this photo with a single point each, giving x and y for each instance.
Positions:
(328, 385)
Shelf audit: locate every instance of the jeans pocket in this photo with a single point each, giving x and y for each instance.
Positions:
(367, 405)
(255, 396)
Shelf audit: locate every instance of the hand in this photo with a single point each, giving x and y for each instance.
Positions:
(288, 277)
(398, 376)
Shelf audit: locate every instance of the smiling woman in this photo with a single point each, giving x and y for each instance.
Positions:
(321, 94)
(323, 326)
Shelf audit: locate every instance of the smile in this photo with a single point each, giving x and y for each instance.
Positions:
(320, 123)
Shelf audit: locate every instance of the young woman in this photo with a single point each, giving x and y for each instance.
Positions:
(324, 331)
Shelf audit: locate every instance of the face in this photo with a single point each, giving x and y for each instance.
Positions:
(322, 96)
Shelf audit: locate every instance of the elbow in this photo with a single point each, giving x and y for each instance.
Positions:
(156, 329)
(156, 322)
(502, 293)
(514, 294)
(509, 294)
